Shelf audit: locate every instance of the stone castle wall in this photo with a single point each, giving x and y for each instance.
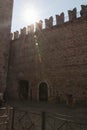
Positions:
(56, 55)
(5, 29)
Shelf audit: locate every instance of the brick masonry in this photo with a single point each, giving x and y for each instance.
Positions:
(5, 29)
(56, 55)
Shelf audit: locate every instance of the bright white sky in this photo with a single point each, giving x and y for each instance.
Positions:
(26, 12)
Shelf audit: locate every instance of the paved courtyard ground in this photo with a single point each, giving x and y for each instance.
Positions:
(59, 108)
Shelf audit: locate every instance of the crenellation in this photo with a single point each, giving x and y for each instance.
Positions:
(49, 22)
(23, 32)
(72, 14)
(39, 25)
(16, 35)
(60, 19)
(83, 11)
(31, 29)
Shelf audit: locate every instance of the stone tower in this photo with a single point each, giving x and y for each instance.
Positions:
(5, 29)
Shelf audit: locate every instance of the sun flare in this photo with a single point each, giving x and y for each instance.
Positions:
(30, 15)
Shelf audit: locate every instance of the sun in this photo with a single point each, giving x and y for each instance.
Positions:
(30, 15)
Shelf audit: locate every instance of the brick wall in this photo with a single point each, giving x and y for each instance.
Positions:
(5, 28)
(57, 56)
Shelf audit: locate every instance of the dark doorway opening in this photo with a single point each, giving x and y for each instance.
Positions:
(23, 89)
(70, 99)
(30, 94)
(43, 92)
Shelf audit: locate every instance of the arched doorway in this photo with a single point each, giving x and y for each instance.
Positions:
(23, 89)
(43, 92)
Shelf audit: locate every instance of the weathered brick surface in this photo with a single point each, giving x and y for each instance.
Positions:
(57, 56)
(5, 28)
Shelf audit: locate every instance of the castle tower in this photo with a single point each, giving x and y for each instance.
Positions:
(5, 37)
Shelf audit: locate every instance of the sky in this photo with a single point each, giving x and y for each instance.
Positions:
(27, 12)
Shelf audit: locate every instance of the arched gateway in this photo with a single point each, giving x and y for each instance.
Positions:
(43, 92)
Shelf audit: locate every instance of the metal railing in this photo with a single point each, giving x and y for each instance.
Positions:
(31, 120)
(64, 122)
(23, 119)
(27, 120)
(6, 114)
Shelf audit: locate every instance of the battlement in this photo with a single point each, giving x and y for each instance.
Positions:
(60, 19)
